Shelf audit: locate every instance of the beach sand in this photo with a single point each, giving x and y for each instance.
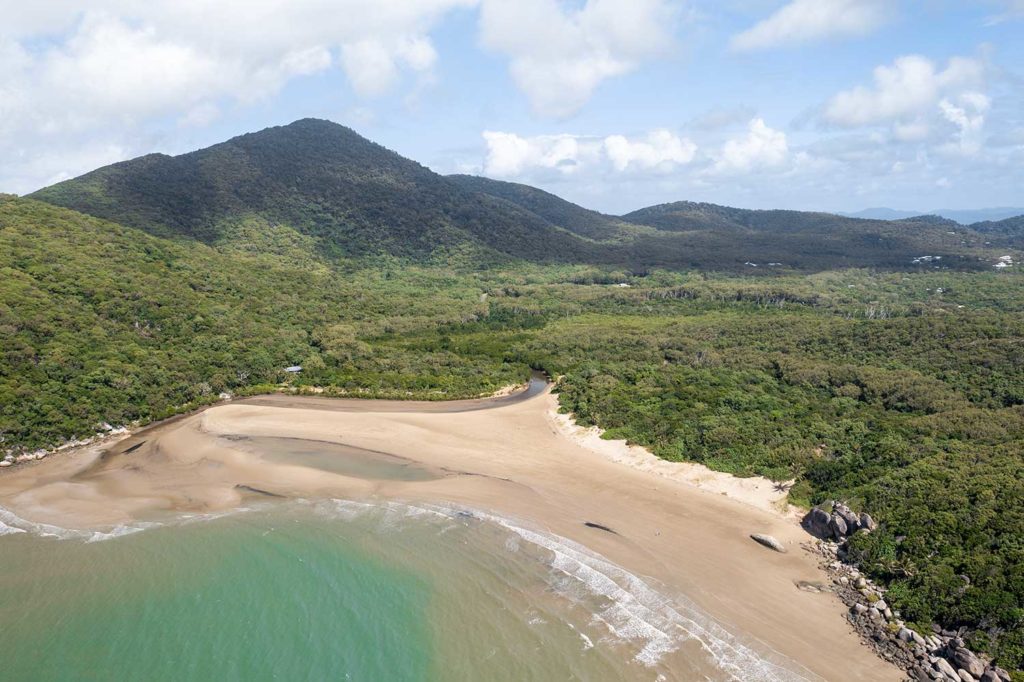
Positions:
(513, 457)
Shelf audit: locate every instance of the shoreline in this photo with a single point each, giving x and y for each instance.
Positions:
(510, 458)
(758, 492)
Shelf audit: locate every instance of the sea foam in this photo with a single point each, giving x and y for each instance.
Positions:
(631, 609)
(11, 523)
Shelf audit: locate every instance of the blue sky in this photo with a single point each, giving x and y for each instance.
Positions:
(614, 104)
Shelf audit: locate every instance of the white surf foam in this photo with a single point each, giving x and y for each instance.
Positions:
(629, 608)
(635, 611)
(11, 523)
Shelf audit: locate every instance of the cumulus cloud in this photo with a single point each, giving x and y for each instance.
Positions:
(762, 147)
(910, 86)
(512, 155)
(967, 113)
(558, 56)
(804, 21)
(661, 149)
(120, 63)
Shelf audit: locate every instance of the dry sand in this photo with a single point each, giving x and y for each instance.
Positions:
(514, 457)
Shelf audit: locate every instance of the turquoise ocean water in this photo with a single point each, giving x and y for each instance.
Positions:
(341, 590)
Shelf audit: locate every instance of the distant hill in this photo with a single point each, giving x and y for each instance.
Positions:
(342, 195)
(809, 240)
(962, 216)
(1012, 229)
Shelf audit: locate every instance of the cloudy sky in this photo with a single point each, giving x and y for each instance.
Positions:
(615, 104)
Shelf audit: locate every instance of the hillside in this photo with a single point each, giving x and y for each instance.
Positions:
(354, 199)
(352, 196)
(1011, 229)
(813, 241)
(551, 208)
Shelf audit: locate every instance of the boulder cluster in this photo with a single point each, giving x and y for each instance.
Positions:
(939, 655)
(838, 525)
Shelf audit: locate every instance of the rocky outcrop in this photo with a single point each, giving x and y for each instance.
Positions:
(937, 656)
(816, 522)
(769, 542)
(838, 525)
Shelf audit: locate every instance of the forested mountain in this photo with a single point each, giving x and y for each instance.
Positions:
(355, 198)
(352, 196)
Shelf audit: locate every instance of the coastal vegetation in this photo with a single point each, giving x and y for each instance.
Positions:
(146, 289)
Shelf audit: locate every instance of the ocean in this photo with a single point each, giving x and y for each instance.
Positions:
(342, 590)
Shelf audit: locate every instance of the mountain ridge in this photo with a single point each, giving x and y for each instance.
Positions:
(353, 197)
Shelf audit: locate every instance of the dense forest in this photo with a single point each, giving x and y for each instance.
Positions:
(897, 389)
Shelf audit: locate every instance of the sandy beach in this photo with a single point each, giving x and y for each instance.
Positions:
(676, 525)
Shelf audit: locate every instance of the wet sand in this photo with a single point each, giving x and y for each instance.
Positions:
(509, 456)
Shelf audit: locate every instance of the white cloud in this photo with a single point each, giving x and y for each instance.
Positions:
(511, 155)
(558, 57)
(762, 147)
(908, 88)
(117, 64)
(661, 150)
(373, 66)
(967, 113)
(804, 21)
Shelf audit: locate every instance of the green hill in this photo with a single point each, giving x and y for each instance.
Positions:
(354, 199)
(813, 241)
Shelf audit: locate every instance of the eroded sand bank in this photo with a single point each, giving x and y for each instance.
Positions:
(512, 457)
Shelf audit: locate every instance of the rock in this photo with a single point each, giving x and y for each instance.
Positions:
(860, 583)
(816, 523)
(1003, 675)
(968, 661)
(769, 542)
(966, 676)
(943, 666)
(851, 520)
(881, 605)
(837, 527)
(918, 639)
(866, 522)
(919, 675)
(904, 635)
(989, 676)
(860, 609)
